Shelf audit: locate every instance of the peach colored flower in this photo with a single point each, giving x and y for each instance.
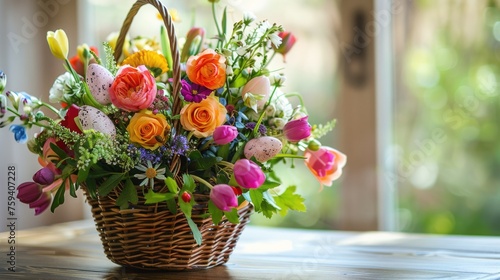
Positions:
(148, 129)
(207, 69)
(133, 89)
(204, 117)
(325, 164)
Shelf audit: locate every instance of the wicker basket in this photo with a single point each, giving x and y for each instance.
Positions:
(150, 236)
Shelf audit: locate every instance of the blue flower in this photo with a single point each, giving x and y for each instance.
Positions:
(19, 133)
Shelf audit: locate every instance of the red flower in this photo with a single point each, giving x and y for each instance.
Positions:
(69, 119)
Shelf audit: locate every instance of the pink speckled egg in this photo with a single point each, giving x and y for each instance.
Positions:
(99, 80)
(263, 148)
(92, 118)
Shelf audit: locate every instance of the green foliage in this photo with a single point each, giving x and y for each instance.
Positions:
(289, 200)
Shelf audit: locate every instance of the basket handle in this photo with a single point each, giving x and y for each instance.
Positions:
(167, 20)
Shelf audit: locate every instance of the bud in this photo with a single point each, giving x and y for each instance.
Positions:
(3, 81)
(314, 145)
(287, 42)
(44, 176)
(194, 41)
(58, 43)
(223, 197)
(186, 197)
(297, 130)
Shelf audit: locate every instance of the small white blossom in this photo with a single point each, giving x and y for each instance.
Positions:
(248, 18)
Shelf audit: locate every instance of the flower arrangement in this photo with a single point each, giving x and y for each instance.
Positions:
(116, 127)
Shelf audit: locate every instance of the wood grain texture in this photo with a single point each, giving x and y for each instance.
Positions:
(73, 251)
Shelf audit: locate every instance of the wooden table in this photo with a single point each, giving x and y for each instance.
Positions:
(73, 251)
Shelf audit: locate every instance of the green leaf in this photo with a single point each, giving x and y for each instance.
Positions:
(198, 162)
(129, 193)
(171, 185)
(270, 199)
(83, 174)
(224, 23)
(216, 213)
(152, 197)
(257, 198)
(267, 209)
(271, 182)
(172, 206)
(91, 187)
(72, 190)
(289, 200)
(58, 198)
(108, 185)
(223, 151)
(232, 216)
(59, 152)
(195, 230)
(189, 184)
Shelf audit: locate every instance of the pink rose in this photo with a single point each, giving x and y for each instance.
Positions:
(248, 174)
(223, 197)
(133, 89)
(224, 134)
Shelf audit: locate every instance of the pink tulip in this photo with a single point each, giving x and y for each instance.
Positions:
(225, 134)
(325, 164)
(297, 130)
(223, 197)
(259, 86)
(29, 192)
(42, 203)
(248, 174)
(287, 42)
(44, 176)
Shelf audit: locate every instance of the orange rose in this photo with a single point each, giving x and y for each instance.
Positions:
(207, 69)
(148, 129)
(204, 117)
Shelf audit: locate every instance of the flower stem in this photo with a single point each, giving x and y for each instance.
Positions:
(202, 181)
(219, 42)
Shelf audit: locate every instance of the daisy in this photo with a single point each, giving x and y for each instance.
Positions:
(150, 173)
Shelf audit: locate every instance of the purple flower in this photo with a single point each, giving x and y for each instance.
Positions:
(224, 134)
(297, 130)
(179, 145)
(29, 192)
(42, 203)
(44, 176)
(248, 174)
(223, 197)
(251, 125)
(19, 133)
(193, 92)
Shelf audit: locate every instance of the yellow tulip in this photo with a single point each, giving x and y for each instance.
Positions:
(58, 43)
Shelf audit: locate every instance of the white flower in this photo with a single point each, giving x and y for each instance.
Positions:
(248, 18)
(64, 88)
(277, 79)
(150, 173)
(283, 106)
(275, 39)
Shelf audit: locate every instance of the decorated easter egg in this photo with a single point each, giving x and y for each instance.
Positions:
(262, 148)
(92, 118)
(99, 80)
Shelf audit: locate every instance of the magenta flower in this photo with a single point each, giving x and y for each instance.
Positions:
(42, 203)
(29, 192)
(44, 176)
(193, 92)
(297, 130)
(325, 164)
(223, 197)
(224, 134)
(248, 174)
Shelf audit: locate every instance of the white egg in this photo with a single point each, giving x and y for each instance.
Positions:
(92, 118)
(99, 80)
(263, 148)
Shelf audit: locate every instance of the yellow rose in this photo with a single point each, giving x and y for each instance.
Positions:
(148, 129)
(204, 117)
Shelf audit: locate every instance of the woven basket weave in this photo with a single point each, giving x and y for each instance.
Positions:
(150, 236)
